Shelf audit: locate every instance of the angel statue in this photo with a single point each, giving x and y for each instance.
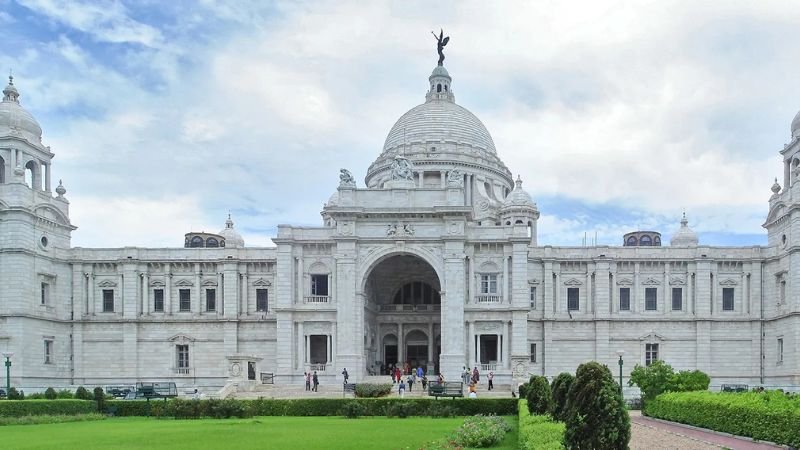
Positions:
(402, 169)
(442, 41)
(346, 178)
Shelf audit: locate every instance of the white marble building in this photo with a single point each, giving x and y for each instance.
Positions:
(435, 261)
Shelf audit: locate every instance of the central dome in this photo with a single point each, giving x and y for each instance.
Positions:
(439, 121)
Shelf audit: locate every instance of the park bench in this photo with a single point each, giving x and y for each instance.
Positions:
(155, 390)
(450, 389)
(735, 388)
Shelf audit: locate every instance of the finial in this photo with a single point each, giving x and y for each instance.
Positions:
(10, 93)
(229, 222)
(684, 221)
(518, 183)
(60, 190)
(776, 187)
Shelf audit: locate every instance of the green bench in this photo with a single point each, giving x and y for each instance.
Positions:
(450, 389)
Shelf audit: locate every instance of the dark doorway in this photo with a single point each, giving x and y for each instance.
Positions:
(416, 354)
(488, 346)
(251, 370)
(318, 344)
(391, 354)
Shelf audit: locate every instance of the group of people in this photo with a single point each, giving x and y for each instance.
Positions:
(472, 377)
(312, 381)
(416, 375)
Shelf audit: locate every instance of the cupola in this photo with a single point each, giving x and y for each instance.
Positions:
(685, 236)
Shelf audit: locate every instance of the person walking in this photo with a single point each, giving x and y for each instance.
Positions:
(402, 388)
(411, 382)
(465, 375)
(307, 377)
(315, 379)
(398, 374)
(476, 376)
(424, 382)
(490, 377)
(420, 372)
(345, 375)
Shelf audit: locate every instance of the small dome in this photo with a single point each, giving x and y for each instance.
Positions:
(518, 197)
(334, 200)
(232, 238)
(440, 71)
(14, 119)
(684, 237)
(796, 126)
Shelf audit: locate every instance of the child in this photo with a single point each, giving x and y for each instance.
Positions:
(402, 389)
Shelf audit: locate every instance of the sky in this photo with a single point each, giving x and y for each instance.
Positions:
(618, 115)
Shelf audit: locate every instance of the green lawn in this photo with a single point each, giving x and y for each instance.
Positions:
(261, 432)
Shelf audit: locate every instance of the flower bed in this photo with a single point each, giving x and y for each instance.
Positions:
(768, 416)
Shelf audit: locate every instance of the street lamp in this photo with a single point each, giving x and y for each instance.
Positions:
(620, 353)
(8, 356)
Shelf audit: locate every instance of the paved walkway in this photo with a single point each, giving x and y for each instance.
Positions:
(649, 434)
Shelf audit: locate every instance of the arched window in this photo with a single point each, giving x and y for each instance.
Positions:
(417, 293)
(212, 242)
(196, 241)
(439, 87)
(645, 240)
(32, 175)
(657, 241)
(2, 170)
(445, 88)
(519, 222)
(631, 241)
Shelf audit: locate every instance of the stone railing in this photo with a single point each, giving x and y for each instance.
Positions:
(489, 367)
(317, 367)
(411, 308)
(182, 370)
(488, 299)
(317, 299)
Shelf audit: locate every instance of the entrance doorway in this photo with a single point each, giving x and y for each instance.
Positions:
(488, 348)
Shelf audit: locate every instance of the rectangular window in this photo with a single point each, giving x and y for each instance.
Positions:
(573, 299)
(727, 299)
(624, 299)
(533, 353)
(158, 300)
(211, 300)
(780, 350)
(677, 299)
(184, 300)
(650, 299)
(319, 285)
(108, 300)
(650, 353)
(533, 297)
(45, 293)
(48, 351)
(262, 298)
(489, 284)
(182, 358)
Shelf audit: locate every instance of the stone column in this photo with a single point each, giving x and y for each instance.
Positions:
(168, 289)
(333, 345)
(478, 348)
(196, 306)
(452, 358)
(506, 346)
(421, 176)
(504, 290)
(635, 289)
(473, 352)
(229, 285)
(92, 290)
(431, 342)
(400, 345)
(349, 311)
(146, 307)
(300, 284)
(301, 346)
(499, 349)
(442, 176)
(246, 293)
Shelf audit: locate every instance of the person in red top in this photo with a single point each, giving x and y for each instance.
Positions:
(397, 374)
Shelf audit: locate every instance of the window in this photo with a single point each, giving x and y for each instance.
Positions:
(631, 241)
(48, 351)
(197, 241)
(108, 300)
(489, 284)
(677, 299)
(182, 358)
(533, 297)
(319, 285)
(727, 299)
(158, 300)
(650, 299)
(780, 350)
(262, 298)
(45, 293)
(573, 301)
(211, 242)
(211, 300)
(184, 300)
(650, 353)
(624, 299)
(533, 353)
(645, 241)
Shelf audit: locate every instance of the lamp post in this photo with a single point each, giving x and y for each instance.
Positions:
(8, 356)
(620, 353)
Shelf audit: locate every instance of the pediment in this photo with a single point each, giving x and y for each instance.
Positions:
(181, 338)
(184, 283)
(209, 283)
(650, 281)
(52, 214)
(775, 212)
(157, 283)
(624, 282)
(675, 281)
(107, 284)
(533, 281)
(573, 282)
(728, 282)
(651, 336)
(262, 282)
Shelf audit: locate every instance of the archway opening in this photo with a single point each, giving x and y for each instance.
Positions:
(402, 315)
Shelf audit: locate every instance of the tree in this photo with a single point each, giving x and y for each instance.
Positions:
(686, 380)
(560, 389)
(659, 377)
(50, 394)
(100, 398)
(595, 412)
(83, 394)
(540, 400)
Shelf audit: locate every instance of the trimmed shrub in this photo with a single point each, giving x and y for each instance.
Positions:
(367, 390)
(12, 408)
(36, 396)
(595, 413)
(768, 416)
(100, 398)
(65, 394)
(83, 394)
(659, 377)
(538, 432)
(354, 410)
(560, 389)
(540, 399)
(685, 381)
(50, 394)
(14, 394)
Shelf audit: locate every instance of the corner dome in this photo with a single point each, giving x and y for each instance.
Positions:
(518, 197)
(685, 236)
(796, 126)
(232, 238)
(16, 120)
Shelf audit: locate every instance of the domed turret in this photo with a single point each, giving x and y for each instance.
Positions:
(232, 238)
(684, 237)
(796, 126)
(519, 210)
(16, 120)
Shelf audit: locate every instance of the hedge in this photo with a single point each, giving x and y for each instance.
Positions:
(18, 408)
(767, 416)
(539, 432)
(307, 407)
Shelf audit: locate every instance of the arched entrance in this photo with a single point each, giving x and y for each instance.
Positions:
(402, 315)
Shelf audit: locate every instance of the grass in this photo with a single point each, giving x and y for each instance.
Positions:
(377, 433)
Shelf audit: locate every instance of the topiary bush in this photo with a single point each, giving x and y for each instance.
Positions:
(14, 394)
(50, 394)
(595, 413)
(540, 399)
(368, 390)
(560, 389)
(83, 394)
(100, 398)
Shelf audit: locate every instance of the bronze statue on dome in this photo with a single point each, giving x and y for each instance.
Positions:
(442, 40)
